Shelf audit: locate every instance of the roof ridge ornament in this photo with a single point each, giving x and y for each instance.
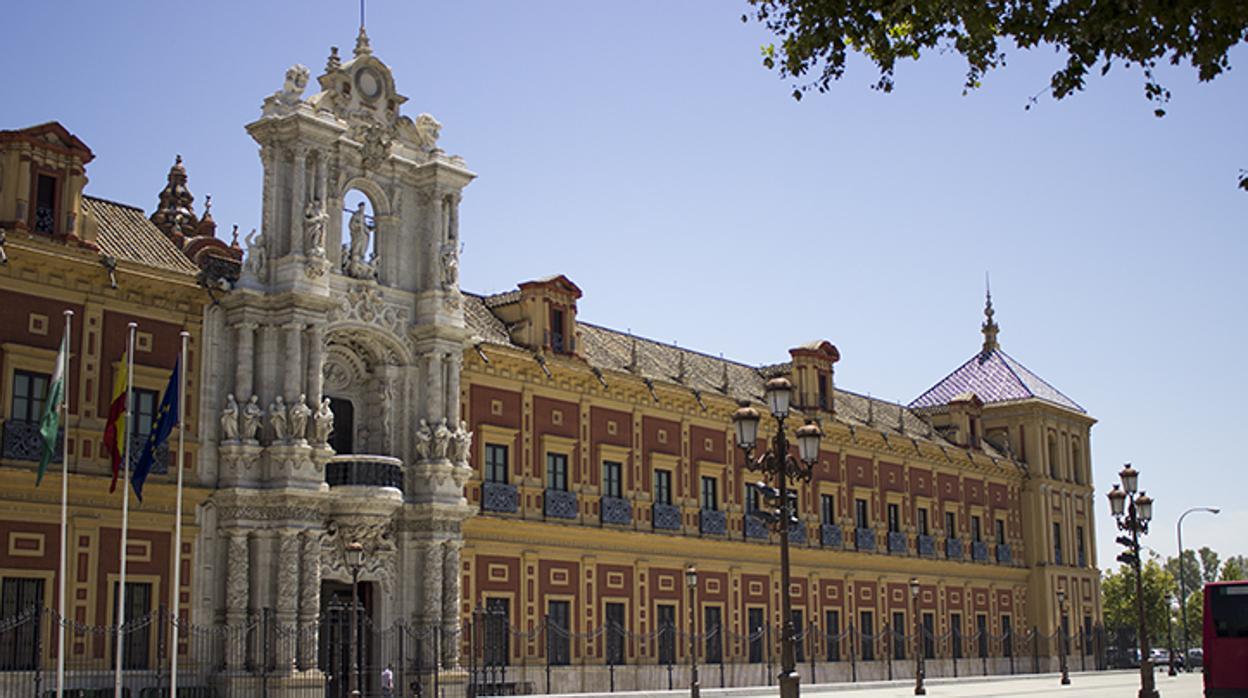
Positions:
(362, 47)
(989, 328)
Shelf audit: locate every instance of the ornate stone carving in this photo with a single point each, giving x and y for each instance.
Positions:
(287, 572)
(461, 444)
(236, 582)
(380, 552)
(259, 512)
(375, 141)
(292, 89)
(450, 266)
(277, 420)
(431, 583)
(424, 441)
(314, 218)
(252, 414)
(229, 419)
(323, 423)
(355, 260)
(255, 254)
(441, 441)
(309, 596)
(299, 413)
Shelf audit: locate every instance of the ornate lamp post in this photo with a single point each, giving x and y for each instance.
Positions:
(354, 554)
(691, 581)
(778, 463)
(1061, 635)
(1170, 609)
(1183, 576)
(919, 690)
(1133, 511)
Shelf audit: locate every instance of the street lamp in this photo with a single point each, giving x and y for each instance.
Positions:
(918, 640)
(1061, 635)
(777, 462)
(1132, 512)
(354, 554)
(1183, 576)
(691, 581)
(1170, 629)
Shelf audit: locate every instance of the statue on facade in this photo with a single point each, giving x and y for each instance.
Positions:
(229, 419)
(314, 218)
(356, 262)
(299, 413)
(441, 440)
(450, 266)
(292, 89)
(424, 441)
(277, 420)
(323, 423)
(461, 444)
(252, 414)
(255, 253)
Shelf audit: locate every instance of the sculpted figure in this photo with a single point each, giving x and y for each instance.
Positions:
(252, 415)
(277, 419)
(359, 234)
(427, 131)
(314, 218)
(299, 413)
(255, 253)
(450, 267)
(424, 440)
(229, 419)
(323, 423)
(292, 89)
(441, 440)
(461, 444)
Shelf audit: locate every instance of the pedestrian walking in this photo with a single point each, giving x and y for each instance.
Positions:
(387, 681)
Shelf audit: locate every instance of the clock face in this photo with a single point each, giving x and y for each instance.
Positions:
(369, 83)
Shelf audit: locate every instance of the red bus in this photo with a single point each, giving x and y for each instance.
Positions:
(1226, 639)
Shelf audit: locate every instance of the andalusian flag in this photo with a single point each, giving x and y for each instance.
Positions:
(166, 418)
(51, 422)
(116, 426)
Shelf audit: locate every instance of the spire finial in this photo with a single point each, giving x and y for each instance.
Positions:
(361, 42)
(989, 328)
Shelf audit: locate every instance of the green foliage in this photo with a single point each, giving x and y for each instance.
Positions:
(1191, 570)
(1118, 598)
(1195, 617)
(1209, 564)
(1235, 567)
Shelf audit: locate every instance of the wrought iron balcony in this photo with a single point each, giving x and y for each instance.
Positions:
(897, 543)
(616, 510)
(366, 471)
(797, 533)
(712, 522)
(560, 504)
(953, 549)
(756, 528)
(979, 551)
(666, 517)
(1003, 554)
(864, 539)
(830, 536)
(926, 546)
(23, 442)
(501, 497)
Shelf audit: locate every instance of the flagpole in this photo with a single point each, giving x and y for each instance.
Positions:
(125, 509)
(177, 523)
(60, 575)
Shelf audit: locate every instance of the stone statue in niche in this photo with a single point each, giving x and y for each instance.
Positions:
(323, 423)
(277, 420)
(461, 444)
(424, 441)
(229, 420)
(355, 260)
(252, 414)
(255, 253)
(441, 440)
(299, 413)
(292, 90)
(450, 266)
(314, 218)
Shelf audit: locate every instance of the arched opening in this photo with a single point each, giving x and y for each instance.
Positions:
(359, 235)
(342, 439)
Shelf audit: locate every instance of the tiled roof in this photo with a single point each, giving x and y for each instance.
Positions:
(993, 376)
(127, 234)
(612, 350)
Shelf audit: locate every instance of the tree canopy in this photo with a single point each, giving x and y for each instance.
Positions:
(1118, 599)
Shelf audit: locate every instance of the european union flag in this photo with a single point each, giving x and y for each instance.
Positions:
(166, 418)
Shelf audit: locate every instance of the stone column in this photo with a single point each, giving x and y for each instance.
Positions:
(309, 599)
(431, 580)
(298, 199)
(244, 359)
(316, 368)
(269, 364)
(268, 221)
(237, 588)
(293, 361)
(450, 603)
(439, 228)
(322, 178)
(454, 365)
(452, 218)
(287, 596)
(433, 387)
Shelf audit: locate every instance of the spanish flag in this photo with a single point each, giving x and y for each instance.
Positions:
(115, 430)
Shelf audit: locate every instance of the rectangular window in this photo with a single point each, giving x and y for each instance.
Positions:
(138, 604)
(800, 635)
(144, 412)
(663, 487)
(45, 204)
(899, 635)
(1081, 548)
(556, 330)
(1000, 531)
(713, 627)
(823, 391)
(611, 486)
(923, 522)
(496, 637)
(556, 471)
(1057, 543)
(1007, 635)
(710, 493)
(495, 463)
(951, 524)
(667, 634)
(1086, 644)
(832, 633)
(757, 634)
(929, 635)
(827, 509)
(955, 632)
(867, 633)
(894, 518)
(862, 513)
(977, 533)
(19, 644)
(981, 633)
(558, 633)
(617, 630)
(752, 499)
(29, 391)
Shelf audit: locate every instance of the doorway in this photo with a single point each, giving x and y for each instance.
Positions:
(342, 439)
(335, 652)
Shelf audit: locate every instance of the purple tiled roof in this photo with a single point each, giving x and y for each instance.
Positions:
(994, 377)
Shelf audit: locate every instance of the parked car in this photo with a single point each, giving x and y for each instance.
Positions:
(1160, 657)
(1196, 658)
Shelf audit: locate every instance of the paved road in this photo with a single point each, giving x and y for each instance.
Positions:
(1091, 685)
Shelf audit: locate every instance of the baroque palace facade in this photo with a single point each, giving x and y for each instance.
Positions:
(489, 452)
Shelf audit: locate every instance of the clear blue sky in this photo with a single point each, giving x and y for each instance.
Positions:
(641, 149)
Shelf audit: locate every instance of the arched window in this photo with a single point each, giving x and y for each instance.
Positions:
(342, 439)
(1054, 470)
(1076, 462)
